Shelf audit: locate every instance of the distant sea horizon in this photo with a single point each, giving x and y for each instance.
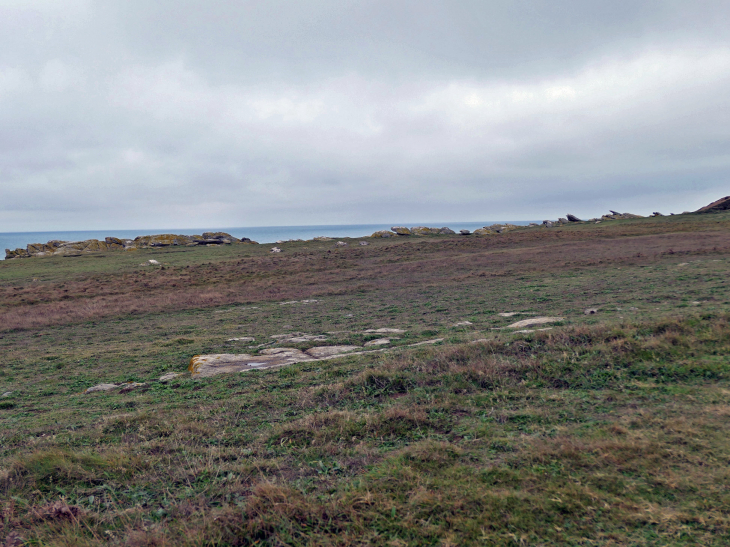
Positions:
(262, 234)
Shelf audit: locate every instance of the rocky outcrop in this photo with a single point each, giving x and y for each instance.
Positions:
(619, 216)
(384, 233)
(77, 248)
(401, 230)
(722, 204)
(573, 218)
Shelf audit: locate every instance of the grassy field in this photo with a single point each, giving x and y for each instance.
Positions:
(608, 429)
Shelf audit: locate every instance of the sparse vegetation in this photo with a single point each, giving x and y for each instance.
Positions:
(609, 429)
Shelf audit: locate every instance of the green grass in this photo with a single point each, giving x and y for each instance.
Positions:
(609, 429)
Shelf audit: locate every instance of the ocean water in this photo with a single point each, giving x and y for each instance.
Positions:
(262, 234)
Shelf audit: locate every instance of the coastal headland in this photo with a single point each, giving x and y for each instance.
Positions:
(564, 383)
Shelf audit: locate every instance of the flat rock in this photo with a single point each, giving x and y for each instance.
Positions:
(169, 376)
(275, 250)
(384, 331)
(6, 394)
(299, 338)
(378, 342)
(426, 342)
(463, 324)
(329, 351)
(203, 366)
(241, 339)
(102, 387)
(527, 331)
(534, 321)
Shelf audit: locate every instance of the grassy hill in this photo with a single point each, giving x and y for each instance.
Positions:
(607, 429)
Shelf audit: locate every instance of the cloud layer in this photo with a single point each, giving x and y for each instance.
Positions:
(191, 114)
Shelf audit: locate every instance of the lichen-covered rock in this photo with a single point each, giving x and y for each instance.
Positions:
(484, 232)
(383, 233)
(401, 230)
(423, 231)
(17, 253)
(447, 231)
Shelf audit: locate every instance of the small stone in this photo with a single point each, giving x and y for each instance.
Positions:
(169, 376)
(153, 261)
(6, 394)
(463, 324)
(275, 250)
(126, 388)
(341, 244)
(242, 339)
(364, 243)
(591, 311)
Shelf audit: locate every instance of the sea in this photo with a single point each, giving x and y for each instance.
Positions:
(262, 234)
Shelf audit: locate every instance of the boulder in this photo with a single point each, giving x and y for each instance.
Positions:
(465, 232)
(425, 231)
(275, 250)
(363, 243)
(447, 231)
(341, 244)
(383, 233)
(17, 253)
(401, 230)
(573, 218)
(484, 232)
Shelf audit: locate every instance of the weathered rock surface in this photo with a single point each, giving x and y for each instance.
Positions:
(401, 230)
(573, 218)
(534, 321)
(384, 233)
(426, 231)
(385, 331)
(329, 351)
(378, 342)
(484, 232)
(722, 204)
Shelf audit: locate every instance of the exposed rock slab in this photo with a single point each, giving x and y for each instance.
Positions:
(378, 342)
(534, 321)
(384, 331)
(329, 351)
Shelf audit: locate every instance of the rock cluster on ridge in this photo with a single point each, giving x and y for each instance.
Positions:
(77, 248)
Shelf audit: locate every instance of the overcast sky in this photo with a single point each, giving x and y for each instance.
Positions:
(136, 114)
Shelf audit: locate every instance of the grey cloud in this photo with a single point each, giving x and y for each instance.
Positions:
(182, 114)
